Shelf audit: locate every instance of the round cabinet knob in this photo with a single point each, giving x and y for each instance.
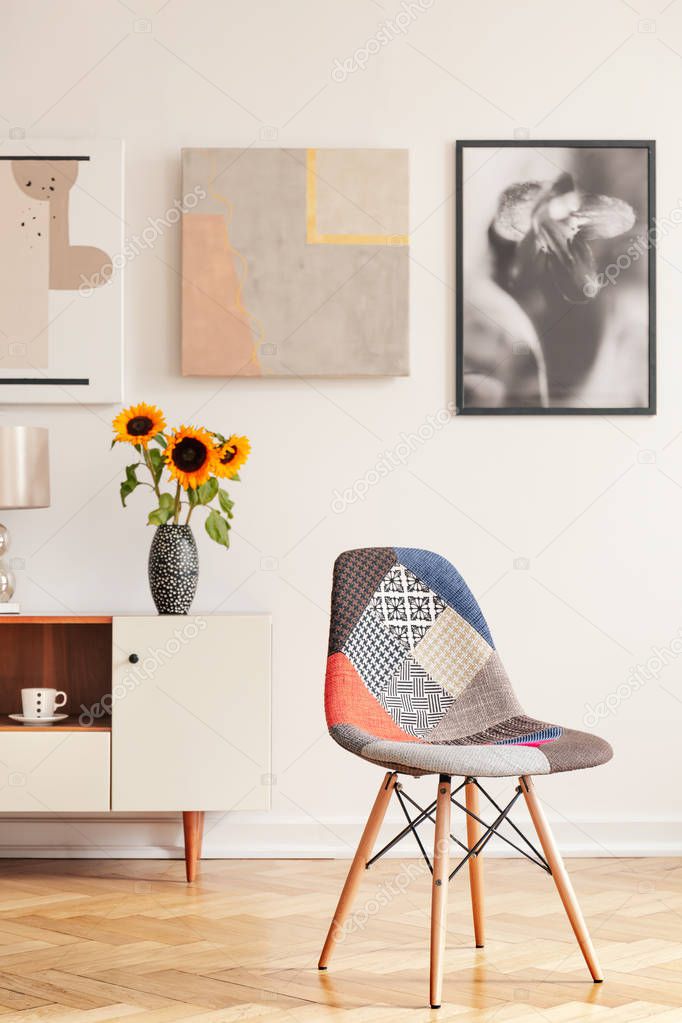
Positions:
(133, 658)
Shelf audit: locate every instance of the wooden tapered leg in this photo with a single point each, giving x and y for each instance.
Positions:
(362, 854)
(202, 818)
(475, 865)
(193, 827)
(561, 878)
(439, 890)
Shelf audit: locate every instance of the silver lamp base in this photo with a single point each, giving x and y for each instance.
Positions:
(7, 581)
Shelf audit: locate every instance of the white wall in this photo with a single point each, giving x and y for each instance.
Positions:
(600, 527)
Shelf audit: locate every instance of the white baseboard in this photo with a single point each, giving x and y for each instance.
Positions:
(286, 836)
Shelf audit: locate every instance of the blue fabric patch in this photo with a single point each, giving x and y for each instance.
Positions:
(446, 581)
(553, 732)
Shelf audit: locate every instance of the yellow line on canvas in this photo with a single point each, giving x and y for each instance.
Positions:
(312, 236)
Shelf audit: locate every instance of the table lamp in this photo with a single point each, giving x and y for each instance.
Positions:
(24, 483)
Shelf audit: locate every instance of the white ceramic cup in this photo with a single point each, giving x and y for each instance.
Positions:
(41, 703)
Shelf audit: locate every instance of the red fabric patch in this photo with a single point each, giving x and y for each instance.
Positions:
(348, 701)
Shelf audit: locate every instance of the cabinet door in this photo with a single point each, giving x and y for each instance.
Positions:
(54, 771)
(191, 718)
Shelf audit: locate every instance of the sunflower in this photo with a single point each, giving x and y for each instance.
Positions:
(190, 456)
(138, 424)
(231, 456)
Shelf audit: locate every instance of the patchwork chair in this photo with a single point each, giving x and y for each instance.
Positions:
(415, 685)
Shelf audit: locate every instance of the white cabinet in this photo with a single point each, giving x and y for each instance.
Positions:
(50, 771)
(191, 716)
(163, 713)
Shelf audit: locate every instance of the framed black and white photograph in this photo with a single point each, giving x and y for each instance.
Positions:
(556, 277)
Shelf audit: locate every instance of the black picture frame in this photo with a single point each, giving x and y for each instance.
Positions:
(647, 144)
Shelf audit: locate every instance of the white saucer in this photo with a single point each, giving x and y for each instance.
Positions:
(38, 721)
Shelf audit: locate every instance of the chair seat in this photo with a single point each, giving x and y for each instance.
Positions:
(516, 746)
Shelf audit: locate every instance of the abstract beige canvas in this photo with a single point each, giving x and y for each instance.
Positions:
(295, 262)
(61, 259)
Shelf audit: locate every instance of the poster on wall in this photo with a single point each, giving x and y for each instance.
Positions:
(556, 277)
(295, 262)
(61, 255)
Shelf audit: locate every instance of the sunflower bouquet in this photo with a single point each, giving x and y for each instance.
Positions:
(195, 459)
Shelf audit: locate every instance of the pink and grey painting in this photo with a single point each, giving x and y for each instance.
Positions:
(295, 262)
(60, 231)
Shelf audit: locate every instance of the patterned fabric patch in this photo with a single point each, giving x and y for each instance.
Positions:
(516, 731)
(349, 703)
(374, 653)
(444, 578)
(406, 605)
(413, 699)
(452, 652)
(533, 738)
(356, 576)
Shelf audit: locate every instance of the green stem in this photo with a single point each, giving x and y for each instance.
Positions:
(189, 513)
(176, 517)
(148, 463)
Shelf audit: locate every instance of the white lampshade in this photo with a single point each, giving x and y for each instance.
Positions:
(24, 467)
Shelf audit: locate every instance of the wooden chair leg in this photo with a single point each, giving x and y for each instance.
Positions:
(193, 827)
(362, 855)
(475, 865)
(561, 878)
(439, 890)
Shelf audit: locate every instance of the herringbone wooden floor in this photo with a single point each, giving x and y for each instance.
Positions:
(86, 941)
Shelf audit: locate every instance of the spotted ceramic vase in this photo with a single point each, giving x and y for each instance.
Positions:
(173, 569)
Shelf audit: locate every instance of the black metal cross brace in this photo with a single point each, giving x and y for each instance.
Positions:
(427, 813)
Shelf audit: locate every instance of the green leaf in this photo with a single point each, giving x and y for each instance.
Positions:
(207, 491)
(113, 443)
(217, 528)
(130, 474)
(161, 440)
(157, 463)
(127, 488)
(226, 503)
(160, 516)
(167, 501)
(192, 498)
(138, 448)
(237, 478)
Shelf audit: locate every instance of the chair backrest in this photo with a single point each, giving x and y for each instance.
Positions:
(411, 656)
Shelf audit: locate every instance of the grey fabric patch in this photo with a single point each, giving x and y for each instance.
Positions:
(351, 738)
(478, 761)
(487, 700)
(399, 768)
(356, 741)
(574, 750)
